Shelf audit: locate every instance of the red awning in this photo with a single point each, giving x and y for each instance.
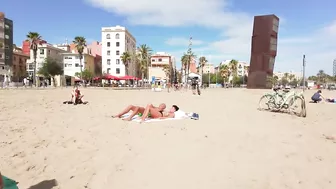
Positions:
(111, 77)
(96, 78)
(128, 77)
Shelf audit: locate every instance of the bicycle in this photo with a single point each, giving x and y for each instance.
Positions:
(285, 100)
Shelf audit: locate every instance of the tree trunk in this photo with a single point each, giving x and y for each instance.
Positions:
(81, 67)
(34, 74)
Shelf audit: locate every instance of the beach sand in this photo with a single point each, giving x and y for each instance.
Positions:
(232, 146)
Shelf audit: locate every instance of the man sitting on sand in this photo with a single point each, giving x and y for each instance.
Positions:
(317, 97)
(154, 113)
(141, 110)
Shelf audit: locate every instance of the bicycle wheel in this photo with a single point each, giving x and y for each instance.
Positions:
(298, 106)
(266, 102)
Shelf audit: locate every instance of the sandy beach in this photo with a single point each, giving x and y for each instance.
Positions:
(232, 146)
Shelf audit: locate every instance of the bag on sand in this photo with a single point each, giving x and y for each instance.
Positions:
(9, 183)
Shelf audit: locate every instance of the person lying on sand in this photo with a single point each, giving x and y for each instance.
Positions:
(140, 111)
(317, 97)
(331, 100)
(155, 114)
(76, 96)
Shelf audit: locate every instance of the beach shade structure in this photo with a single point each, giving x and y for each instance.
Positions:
(193, 75)
(97, 78)
(128, 77)
(77, 79)
(111, 77)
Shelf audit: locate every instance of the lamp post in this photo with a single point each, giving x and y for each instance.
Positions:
(303, 71)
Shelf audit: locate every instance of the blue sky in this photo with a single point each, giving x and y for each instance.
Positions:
(221, 29)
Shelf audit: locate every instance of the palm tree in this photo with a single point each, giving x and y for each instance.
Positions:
(34, 39)
(80, 43)
(145, 55)
(291, 77)
(191, 57)
(202, 62)
(125, 58)
(167, 70)
(184, 61)
(224, 71)
(321, 76)
(233, 66)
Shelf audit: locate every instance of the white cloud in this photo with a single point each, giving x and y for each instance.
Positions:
(180, 41)
(234, 27)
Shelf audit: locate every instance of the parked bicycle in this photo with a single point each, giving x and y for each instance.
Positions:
(284, 100)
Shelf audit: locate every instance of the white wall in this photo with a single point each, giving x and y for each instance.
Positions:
(72, 64)
(126, 43)
(48, 52)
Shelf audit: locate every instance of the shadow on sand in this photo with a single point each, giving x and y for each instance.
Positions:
(46, 184)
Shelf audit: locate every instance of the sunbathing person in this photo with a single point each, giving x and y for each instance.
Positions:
(139, 110)
(76, 96)
(317, 97)
(331, 100)
(154, 113)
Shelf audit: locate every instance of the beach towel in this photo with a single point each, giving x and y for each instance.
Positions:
(9, 183)
(178, 116)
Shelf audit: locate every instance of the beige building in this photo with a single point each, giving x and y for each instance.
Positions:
(159, 61)
(280, 75)
(208, 68)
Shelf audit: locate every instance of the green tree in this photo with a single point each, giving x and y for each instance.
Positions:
(233, 66)
(202, 62)
(167, 70)
(125, 58)
(144, 57)
(224, 72)
(184, 61)
(34, 39)
(50, 69)
(80, 43)
(294, 82)
(86, 75)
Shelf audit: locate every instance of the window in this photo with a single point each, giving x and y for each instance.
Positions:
(117, 52)
(1, 56)
(108, 53)
(30, 66)
(65, 65)
(7, 36)
(117, 61)
(160, 59)
(108, 61)
(77, 57)
(271, 63)
(108, 70)
(41, 51)
(6, 47)
(153, 60)
(6, 26)
(7, 57)
(273, 45)
(275, 25)
(108, 44)
(48, 51)
(108, 36)
(117, 70)
(14, 58)
(117, 36)
(76, 65)
(117, 44)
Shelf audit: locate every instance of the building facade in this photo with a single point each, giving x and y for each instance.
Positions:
(159, 62)
(43, 51)
(263, 50)
(72, 63)
(6, 47)
(288, 75)
(26, 46)
(115, 41)
(242, 67)
(19, 69)
(208, 68)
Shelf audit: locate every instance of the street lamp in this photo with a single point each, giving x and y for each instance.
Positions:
(209, 76)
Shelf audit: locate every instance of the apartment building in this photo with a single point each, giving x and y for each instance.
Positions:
(19, 70)
(72, 63)
(26, 46)
(159, 61)
(6, 47)
(115, 41)
(242, 67)
(43, 51)
(208, 68)
(288, 75)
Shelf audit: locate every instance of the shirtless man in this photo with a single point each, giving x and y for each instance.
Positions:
(158, 114)
(141, 110)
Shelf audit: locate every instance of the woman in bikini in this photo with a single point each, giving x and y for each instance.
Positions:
(149, 111)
